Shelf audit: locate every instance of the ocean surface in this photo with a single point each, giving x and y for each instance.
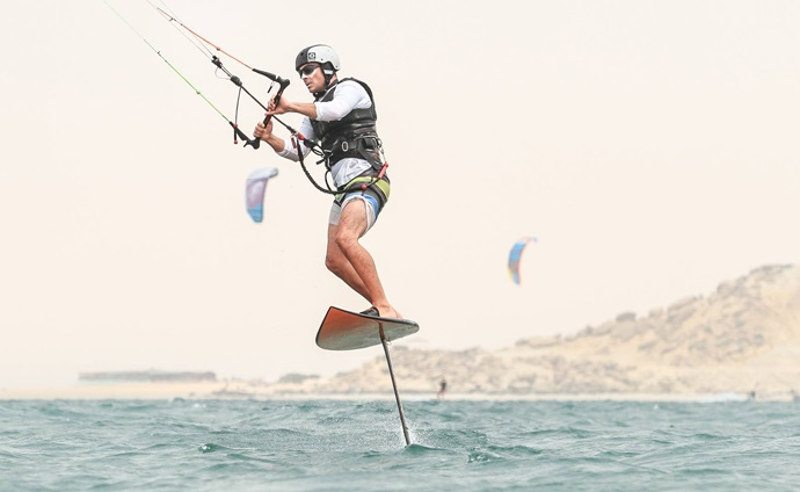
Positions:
(232, 445)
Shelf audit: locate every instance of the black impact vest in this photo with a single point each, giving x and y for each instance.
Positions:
(355, 135)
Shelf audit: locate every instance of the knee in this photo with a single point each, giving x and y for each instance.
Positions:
(345, 241)
(333, 263)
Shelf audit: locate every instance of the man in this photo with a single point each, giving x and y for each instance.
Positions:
(342, 119)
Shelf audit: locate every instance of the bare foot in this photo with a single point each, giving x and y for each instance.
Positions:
(387, 311)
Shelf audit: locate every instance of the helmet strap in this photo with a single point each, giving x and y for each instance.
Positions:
(329, 73)
(329, 82)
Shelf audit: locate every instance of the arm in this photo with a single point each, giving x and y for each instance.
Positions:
(265, 134)
(348, 96)
(306, 109)
(286, 106)
(284, 147)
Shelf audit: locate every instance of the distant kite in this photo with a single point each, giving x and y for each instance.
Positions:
(515, 256)
(255, 189)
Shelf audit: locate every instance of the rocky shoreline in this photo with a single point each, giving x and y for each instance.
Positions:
(740, 342)
(743, 338)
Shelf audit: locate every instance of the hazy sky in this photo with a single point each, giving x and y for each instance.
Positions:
(650, 146)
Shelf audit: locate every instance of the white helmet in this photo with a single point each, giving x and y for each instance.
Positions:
(318, 53)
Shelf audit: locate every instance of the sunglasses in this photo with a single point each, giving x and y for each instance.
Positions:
(307, 70)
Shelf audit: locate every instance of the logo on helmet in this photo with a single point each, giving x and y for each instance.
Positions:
(312, 56)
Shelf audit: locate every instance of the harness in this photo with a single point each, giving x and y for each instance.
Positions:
(371, 187)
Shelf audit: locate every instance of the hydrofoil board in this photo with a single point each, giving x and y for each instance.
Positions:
(345, 330)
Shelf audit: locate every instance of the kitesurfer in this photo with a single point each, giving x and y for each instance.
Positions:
(342, 119)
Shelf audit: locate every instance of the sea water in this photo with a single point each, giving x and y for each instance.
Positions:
(232, 445)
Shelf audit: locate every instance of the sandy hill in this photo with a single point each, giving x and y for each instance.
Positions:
(745, 336)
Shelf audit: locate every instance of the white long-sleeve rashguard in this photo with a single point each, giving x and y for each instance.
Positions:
(347, 96)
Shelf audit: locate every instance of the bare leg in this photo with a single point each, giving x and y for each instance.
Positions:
(339, 265)
(348, 260)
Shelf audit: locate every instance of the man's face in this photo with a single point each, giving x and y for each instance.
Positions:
(312, 76)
